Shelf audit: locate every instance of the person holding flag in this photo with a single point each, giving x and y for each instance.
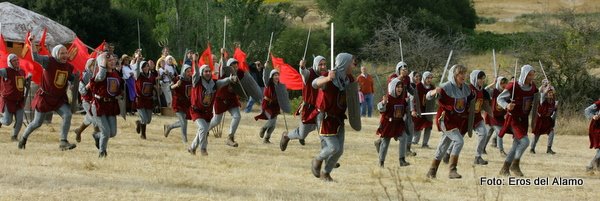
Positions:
(52, 94)
(517, 98)
(308, 112)
(12, 87)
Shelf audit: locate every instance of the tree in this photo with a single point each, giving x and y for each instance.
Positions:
(360, 18)
(567, 49)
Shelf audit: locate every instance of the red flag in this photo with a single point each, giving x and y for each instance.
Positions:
(206, 58)
(3, 53)
(287, 74)
(240, 56)
(79, 60)
(28, 64)
(98, 50)
(43, 50)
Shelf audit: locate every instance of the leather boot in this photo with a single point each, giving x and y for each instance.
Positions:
(381, 164)
(14, 138)
(480, 161)
(231, 142)
(504, 171)
(316, 167)
(203, 152)
(22, 143)
(138, 126)
(283, 143)
(453, 174)
(549, 150)
(403, 162)
(143, 130)
(515, 168)
(409, 152)
(65, 145)
(326, 177)
(262, 132)
(433, 169)
(78, 131)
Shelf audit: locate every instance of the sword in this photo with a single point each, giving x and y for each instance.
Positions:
(543, 71)
(305, 47)
(446, 67)
(401, 53)
(332, 42)
(494, 59)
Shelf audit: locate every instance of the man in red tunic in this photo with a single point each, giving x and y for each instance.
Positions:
(546, 118)
(12, 87)
(423, 123)
(106, 85)
(145, 85)
(451, 119)
(226, 100)
(307, 110)
(182, 92)
(52, 94)
(394, 108)
(496, 119)
(204, 89)
(331, 101)
(517, 117)
(269, 106)
(593, 113)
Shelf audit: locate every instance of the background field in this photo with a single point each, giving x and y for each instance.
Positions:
(161, 169)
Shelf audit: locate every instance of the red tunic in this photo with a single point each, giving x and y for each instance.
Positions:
(422, 122)
(455, 111)
(226, 97)
(544, 123)
(391, 123)
(53, 90)
(12, 88)
(105, 92)
(308, 112)
(478, 101)
(202, 102)
(595, 131)
(144, 88)
(519, 116)
(496, 119)
(332, 102)
(269, 103)
(181, 97)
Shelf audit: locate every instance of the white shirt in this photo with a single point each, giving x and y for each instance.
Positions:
(166, 69)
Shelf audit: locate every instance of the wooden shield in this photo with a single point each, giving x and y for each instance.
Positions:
(283, 98)
(471, 120)
(353, 105)
(251, 87)
(534, 107)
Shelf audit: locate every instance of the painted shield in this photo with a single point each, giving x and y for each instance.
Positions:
(533, 105)
(75, 94)
(239, 90)
(417, 100)
(471, 119)
(353, 105)
(60, 79)
(251, 87)
(283, 98)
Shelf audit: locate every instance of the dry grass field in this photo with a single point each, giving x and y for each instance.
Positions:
(506, 11)
(161, 169)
